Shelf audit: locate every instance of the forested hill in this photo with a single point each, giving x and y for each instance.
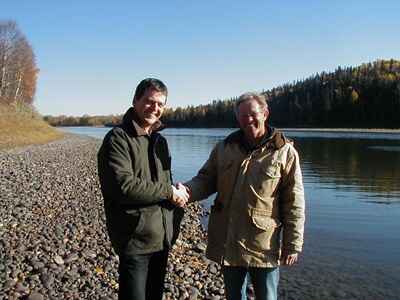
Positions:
(364, 96)
(367, 96)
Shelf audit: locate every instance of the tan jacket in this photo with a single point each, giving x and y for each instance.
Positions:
(259, 195)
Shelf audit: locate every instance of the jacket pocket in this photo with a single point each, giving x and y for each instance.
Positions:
(262, 233)
(121, 225)
(149, 232)
(264, 180)
(261, 220)
(272, 170)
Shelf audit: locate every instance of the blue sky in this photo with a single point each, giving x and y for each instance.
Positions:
(92, 54)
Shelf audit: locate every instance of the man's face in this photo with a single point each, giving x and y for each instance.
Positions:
(150, 107)
(252, 118)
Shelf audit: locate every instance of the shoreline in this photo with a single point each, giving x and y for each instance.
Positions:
(305, 129)
(344, 130)
(52, 229)
(24, 127)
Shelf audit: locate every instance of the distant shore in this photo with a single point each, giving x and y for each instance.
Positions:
(358, 130)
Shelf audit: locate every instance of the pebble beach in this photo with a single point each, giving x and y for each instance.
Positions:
(53, 236)
(54, 243)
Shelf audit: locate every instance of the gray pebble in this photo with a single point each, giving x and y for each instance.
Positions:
(71, 257)
(47, 280)
(35, 296)
(200, 247)
(213, 269)
(58, 260)
(20, 288)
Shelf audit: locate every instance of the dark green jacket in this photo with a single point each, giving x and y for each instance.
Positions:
(135, 177)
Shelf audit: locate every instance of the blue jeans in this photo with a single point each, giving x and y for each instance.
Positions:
(264, 280)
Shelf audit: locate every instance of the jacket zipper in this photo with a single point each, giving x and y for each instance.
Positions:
(164, 219)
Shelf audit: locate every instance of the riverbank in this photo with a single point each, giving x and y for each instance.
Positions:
(355, 130)
(303, 129)
(24, 127)
(53, 235)
(52, 230)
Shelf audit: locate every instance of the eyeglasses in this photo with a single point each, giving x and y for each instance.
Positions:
(253, 114)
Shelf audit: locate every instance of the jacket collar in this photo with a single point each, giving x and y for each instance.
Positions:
(131, 120)
(273, 139)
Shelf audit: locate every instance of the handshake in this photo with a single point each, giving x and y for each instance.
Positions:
(181, 194)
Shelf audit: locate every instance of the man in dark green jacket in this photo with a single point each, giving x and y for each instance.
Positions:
(143, 209)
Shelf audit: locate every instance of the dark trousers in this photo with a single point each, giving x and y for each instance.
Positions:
(141, 276)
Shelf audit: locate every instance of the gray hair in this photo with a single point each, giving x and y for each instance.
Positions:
(261, 100)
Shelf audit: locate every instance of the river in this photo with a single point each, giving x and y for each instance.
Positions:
(352, 187)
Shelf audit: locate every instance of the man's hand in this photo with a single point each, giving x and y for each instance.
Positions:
(181, 185)
(288, 259)
(180, 195)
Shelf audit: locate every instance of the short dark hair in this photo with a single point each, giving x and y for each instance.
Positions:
(150, 83)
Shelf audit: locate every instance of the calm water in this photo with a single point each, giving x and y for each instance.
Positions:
(352, 186)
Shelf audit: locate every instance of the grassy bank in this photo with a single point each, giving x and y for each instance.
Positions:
(23, 126)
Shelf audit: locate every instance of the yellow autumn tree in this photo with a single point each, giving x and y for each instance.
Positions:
(18, 71)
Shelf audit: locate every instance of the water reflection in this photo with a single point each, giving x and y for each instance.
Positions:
(363, 165)
(189, 153)
(351, 246)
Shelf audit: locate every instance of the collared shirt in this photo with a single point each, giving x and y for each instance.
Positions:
(139, 129)
(266, 137)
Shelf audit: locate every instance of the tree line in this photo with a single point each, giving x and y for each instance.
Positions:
(18, 71)
(364, 96)
(85, 120)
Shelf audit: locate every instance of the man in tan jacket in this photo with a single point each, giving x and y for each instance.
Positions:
(257, 219)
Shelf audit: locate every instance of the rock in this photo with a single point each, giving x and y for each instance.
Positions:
(194, 293)
(20, 288)
(15, 273)
(89, 254)
(214, 297)
(184, 295)
(10, 283)
(200, 247)
(53, 266)
(47, 280)
(187, 271)
(58, 260)
(213, 269)
(71, 257)
(35, 296)
(37, 265)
